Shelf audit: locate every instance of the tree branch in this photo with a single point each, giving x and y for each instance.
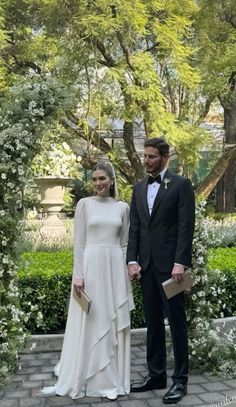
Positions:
(204, 111)
(97, 141)
(125, 50)
(110, 62)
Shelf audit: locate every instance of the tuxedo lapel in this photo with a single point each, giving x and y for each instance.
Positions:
(144, 197)
(162, 191)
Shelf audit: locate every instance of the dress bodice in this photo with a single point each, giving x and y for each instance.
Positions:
(104, 219)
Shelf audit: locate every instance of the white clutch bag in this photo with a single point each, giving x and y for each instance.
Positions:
(84, 300)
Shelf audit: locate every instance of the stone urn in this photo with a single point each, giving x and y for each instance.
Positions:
(52, 189)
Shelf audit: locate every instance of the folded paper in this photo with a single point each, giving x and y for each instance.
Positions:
(172, 288)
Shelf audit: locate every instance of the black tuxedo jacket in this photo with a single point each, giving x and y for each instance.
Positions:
(165, 236)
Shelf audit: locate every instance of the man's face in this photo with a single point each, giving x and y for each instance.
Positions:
(153, 161)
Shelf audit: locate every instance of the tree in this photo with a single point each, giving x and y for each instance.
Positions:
(216, 27)
(124, 61)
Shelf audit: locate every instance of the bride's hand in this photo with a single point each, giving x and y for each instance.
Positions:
(79, 285)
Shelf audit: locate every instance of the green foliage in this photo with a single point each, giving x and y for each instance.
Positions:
(25, 109)
(223, 259)
(44, 281)
(137, 315)
(47, 275)
(208, 350)
(125, 61)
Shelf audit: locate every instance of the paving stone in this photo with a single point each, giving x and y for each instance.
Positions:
(211, 378)
(26, 357)
(58, 401)
(41, 376)
(215, 386)
(47, 355)
(47, 383)
(190, 400)
(135, 377)
(231, 383)
(10, 386)
(31, 403)
(139, 361)
(104, 404)
(19, 378)
(36, 393)
(133, 403)
(9, 403)
(53, 362)
(33, 362)
(155, 402)
(138, 368)
(27, 370)
(230, 393)
(141, 354)
(31, 385)
(195, 388)
(212, 397)
(92, 399)
(195, 379)
(17, 394)
(142, 395)
(46, 369)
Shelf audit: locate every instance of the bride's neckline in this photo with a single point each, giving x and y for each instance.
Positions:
(103, 198)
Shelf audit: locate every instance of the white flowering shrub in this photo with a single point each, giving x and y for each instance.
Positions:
(24, 113)
(208, 349)
(55, 159)
(222, 233)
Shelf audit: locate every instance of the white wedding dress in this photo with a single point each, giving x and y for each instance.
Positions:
(95, 358)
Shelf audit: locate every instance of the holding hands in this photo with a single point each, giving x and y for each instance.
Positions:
(134, 270)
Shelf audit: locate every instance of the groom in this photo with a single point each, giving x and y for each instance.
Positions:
(160, 243)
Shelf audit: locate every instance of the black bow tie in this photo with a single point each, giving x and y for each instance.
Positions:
(154, 179)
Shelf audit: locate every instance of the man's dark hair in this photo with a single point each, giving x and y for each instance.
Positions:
(159, 143)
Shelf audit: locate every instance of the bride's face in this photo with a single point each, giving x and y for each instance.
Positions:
(101, 183)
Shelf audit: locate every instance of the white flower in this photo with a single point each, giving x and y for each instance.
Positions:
(166, 181)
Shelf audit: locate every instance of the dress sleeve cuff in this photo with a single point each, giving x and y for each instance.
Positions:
(77, 279)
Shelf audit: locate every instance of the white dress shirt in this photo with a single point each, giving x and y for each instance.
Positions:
(153, 190)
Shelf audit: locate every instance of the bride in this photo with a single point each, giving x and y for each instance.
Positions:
(95, 357)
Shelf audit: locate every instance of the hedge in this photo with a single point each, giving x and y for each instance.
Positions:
(45, 281)
(224, 259)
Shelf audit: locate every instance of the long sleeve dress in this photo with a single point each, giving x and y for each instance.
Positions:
(95, 358)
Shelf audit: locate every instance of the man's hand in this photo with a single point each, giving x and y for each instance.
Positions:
(177, 273)
(134, 271)
(78, 285)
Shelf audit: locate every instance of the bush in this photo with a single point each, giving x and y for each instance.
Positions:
(224, 259)
(45, 280)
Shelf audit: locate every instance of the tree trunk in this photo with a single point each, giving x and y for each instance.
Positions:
(225, 192)
(209, 183)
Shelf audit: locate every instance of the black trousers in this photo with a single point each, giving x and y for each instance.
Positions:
(156, 305)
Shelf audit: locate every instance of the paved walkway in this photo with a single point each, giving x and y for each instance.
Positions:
(36, 370)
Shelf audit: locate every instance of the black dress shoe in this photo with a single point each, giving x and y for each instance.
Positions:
(149, 383)
(175, 393)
